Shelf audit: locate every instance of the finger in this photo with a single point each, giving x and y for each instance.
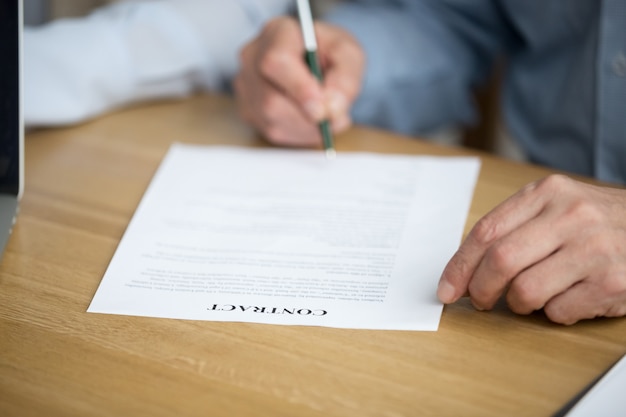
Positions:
(579, 302)
(515, 252)
(273, 114)
(285, 125)
(576, 259)
(281, 62)
(599, 296)
(590, 249)
(533, 288)
(513, 212)
(341, 124)
(603, 291)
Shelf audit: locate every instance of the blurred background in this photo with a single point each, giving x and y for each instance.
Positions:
(488, 134)
(37, 12)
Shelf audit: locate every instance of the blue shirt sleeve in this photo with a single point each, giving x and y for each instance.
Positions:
(423, 59)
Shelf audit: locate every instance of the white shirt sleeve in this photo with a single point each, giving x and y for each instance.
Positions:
(75, 69)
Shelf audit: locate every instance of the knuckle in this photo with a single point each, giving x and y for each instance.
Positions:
(272, 62)
(553, 183)
(558, 314)
(351, 49)
(524, 296)
(500, 258)
(479, 293)
(614, 285)
(301, 90)
(606, 251)
(530, 188)
(584, 211)
(485, 231)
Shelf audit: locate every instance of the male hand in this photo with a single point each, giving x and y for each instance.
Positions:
(557, 244)
(278, 95)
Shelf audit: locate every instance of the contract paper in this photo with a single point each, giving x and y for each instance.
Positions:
(289, 237)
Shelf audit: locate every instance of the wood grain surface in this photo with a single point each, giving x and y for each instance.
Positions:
(83, 185)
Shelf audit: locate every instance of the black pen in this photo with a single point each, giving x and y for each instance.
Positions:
(312, 60)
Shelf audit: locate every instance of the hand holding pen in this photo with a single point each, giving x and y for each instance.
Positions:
(279, 95)
(312, 60)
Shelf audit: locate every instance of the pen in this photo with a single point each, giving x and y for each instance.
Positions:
(312, 60)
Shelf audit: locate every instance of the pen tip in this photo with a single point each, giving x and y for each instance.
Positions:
(330, 153)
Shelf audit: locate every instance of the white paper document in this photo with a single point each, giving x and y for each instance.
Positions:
(289, 237)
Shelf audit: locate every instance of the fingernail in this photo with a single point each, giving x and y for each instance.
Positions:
(337, 103)
(446, 292)
(314, 109)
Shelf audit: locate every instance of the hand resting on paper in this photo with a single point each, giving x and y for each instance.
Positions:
(557, 244)
(276, 92)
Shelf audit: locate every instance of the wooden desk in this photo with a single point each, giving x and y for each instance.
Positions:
(83, 185)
